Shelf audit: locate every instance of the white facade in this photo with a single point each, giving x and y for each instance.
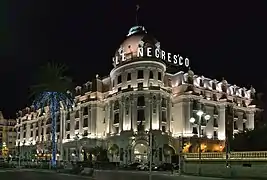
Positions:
(118, 111)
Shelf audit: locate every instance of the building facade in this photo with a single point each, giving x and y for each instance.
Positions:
(139, 98)
(7, 137)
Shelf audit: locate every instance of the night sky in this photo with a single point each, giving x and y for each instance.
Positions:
(221, 40)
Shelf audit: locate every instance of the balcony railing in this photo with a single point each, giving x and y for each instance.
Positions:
(253, 155)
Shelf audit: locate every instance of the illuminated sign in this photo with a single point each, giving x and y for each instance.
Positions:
(174, 59)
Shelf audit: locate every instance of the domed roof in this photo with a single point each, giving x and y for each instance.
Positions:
(137, 37)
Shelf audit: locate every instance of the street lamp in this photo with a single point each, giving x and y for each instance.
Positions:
(192, 120)
(76, 138)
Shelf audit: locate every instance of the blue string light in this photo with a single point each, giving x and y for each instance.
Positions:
(53, 99)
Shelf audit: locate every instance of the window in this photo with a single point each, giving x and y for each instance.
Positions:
(244, 126)
(201, 84)
(215, 135)
(141, 115)
(141, 101)
(85, 133)
(164, 116)
(119, 89)
(116, 105)
(235, 126)
(140, 86)
(151, 75)
(195, 105)
(215, 122)
(119, 79)
(85, 122)
(85, 111)
(68, 136)
(68, 116)
(164, 102)
(163, 128)
(213, 86)
(159, 76)
(77, 114)
(116, 118)
(68, 127)
(129, 86)
(77, 125)
(116, 130)
(140, 74)
(195, 130)
(129, 77)
(242, 93)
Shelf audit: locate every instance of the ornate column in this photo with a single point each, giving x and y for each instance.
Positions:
(169, 107)
(159, 112)
(62, 132)
(108, 117)
(221, 122)
(111, 120)
(89, 119)
(121, 115)
(44, 130)
(240, 120)
(127, 115)
(134, 113)
(209, 127)
(80, 130)
(93, 119)
(186, 106)
(34, 132)
(39, 130)
(250, 120)
(147, 112)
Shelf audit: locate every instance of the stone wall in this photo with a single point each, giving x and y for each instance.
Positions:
(219, 170)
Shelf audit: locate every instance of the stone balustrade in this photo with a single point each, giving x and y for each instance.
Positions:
(249, 155)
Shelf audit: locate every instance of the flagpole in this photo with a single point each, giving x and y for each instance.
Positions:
(136, 14)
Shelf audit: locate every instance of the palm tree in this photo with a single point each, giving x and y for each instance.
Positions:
(52, 90)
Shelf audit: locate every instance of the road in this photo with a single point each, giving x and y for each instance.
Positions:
(29, 175)
(100, 175)
(137, 175)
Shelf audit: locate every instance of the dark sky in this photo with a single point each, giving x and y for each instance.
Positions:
(222, 40)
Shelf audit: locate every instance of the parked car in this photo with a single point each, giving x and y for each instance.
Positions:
(132, 166)
(145, 167)
(166, 167)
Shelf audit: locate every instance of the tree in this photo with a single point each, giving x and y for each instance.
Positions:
(250, 140)
(52, 90)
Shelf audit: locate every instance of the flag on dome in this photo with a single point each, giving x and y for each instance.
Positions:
(137, 7)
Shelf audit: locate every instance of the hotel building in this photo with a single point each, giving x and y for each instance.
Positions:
(140, 97)
(7, 137)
